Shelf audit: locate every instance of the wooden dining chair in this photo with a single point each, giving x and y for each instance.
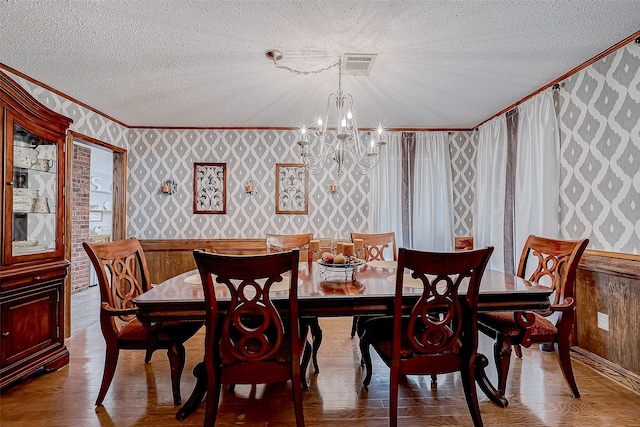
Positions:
(249, 341)
(439, 334)
(286, 242)
(554, 264)
(123, 275)
(374, 247)
(460, 243)
(463, 243)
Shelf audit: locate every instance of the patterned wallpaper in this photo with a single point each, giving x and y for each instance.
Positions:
(462, 149)
(160, 154)
(599, 111)
(156, 155)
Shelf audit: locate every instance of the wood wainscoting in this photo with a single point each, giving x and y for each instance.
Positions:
(168, 258)
(609, 283)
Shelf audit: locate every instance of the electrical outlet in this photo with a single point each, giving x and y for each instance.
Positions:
(603, 321)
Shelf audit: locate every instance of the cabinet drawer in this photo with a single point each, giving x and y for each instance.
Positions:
(33, 278)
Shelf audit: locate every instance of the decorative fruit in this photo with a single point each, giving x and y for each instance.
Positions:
(340, 259)
(327, 258)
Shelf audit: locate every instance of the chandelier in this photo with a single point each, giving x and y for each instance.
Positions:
(322, 145)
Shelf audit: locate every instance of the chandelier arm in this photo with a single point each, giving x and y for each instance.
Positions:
(318, 158)
(364, 169)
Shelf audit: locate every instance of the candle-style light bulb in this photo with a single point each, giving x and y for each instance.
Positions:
(304, 139)
(349, 115)
(380, 131)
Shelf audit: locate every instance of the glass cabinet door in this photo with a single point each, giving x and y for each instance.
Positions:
(35, 193)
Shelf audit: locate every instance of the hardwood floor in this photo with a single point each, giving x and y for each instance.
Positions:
(140, 394)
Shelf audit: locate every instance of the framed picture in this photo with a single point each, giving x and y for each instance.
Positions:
(210, 188)
(292, 183)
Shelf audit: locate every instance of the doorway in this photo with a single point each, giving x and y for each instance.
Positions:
(95, 209)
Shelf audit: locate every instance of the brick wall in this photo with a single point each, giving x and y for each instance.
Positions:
(80, 187)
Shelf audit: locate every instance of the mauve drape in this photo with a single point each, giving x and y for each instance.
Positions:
(489, 205)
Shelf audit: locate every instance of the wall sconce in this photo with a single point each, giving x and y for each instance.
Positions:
(168, 187)
(251, 187)
(333, 189)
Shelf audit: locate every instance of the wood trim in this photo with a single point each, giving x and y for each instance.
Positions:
(395, 129)
(569, 73)
(67, 234)
(216, 127)
(257, 245)
(119, 210)
(400, 129)
(607, 369)
(618, 255)
(94, 141)
(614, 263)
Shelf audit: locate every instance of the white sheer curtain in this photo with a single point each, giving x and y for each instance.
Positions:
(433, 193)
(537, 183)
(385, 204)
(488, 212)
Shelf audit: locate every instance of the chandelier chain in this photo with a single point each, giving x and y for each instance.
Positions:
(340, 76)
(306, 73)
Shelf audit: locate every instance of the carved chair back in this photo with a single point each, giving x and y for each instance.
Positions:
(248, 341)
(440, 321)
(552, 263)
(375, 244)
(286, 242)
(122, 273)
(251, 329)
(122, 276)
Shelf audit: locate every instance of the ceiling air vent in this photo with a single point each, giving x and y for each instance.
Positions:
(357, 63)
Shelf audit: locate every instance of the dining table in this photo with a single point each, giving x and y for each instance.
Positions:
(346, 290)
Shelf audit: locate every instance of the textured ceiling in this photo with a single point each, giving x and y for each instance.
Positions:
(440, 64)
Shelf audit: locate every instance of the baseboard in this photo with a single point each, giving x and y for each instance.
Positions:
(610, 370)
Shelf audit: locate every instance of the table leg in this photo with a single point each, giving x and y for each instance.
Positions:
(200, 372)
(316, 334)
(485, 385)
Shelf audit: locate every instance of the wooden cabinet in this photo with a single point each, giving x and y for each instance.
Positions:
(32, 264)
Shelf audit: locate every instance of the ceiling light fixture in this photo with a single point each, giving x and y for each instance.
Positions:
(321, 144)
